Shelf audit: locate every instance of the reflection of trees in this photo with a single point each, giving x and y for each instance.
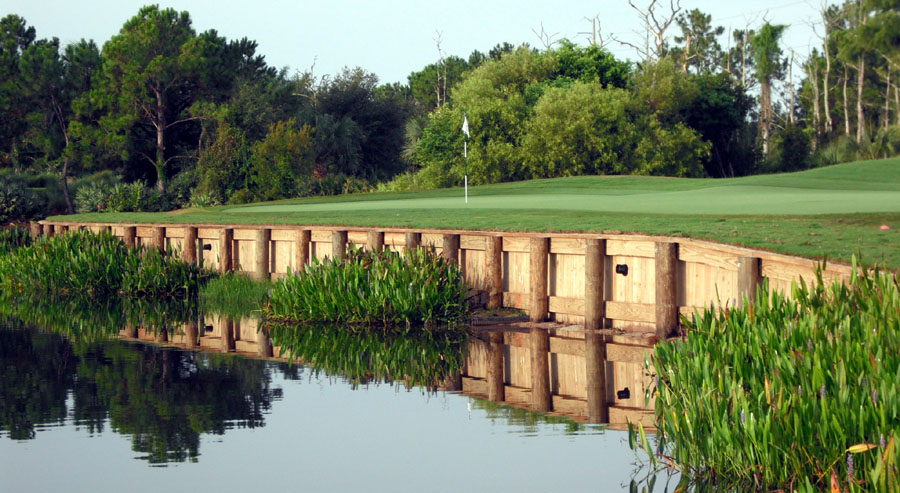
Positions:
(163, 398)
(529, 421)
(35, 376)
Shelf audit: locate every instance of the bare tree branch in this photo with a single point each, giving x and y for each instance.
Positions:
(546, 38)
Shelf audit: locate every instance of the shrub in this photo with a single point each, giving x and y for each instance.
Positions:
(17, 203)
(82, 263)
(788, 392)
(385, 289)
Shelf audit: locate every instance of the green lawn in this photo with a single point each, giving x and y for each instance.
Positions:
(835, 211)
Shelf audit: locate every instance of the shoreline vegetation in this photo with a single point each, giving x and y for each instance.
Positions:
(798, 393)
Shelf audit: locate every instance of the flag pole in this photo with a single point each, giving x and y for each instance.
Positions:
(465, 129)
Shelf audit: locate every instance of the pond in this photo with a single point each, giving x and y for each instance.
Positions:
(85, 414)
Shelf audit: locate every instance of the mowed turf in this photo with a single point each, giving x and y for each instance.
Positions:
(832, 212)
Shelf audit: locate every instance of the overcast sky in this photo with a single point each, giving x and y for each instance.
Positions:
(394, 38)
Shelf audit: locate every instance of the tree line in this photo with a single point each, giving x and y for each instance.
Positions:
(205, 120)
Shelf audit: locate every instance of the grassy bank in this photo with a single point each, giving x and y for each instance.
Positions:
(799, 394)
(836, 211)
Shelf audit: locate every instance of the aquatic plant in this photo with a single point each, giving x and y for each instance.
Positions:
(384, 289)
(96, 265)
(796, 392)
(13, 238)
(234, 296)
(418, 358)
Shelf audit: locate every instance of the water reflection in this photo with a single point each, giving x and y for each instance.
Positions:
(162, 398)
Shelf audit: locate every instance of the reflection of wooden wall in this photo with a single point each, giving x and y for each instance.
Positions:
(706, 273)
(625, 368)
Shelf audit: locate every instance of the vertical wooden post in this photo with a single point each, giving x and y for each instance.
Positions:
(540, 258)
(496, 390)
(453, 382)
(413, 240)
(450, 248)
(493, 265)
(594, 279)
(540, 370)
(191, 334)
(749, 278)
(106, 229)
(35, 229)
(130, 236)
(263, 343)
(162, 335)
(226, 327)
(159, 238)
(61, 229)
(226, 244)
(301, 249)
(595, 369)
(261, 269)
(338, 245)
(48, 230)
(189, 245)
(666, 289)
(131, 330)
(375, 241)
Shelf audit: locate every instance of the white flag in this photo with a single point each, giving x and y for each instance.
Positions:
(465, 127)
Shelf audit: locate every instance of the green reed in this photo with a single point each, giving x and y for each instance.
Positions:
(12, 238)
(234, 296)
(385, 289)
(96, 265)
(421, 358)
(797, 392)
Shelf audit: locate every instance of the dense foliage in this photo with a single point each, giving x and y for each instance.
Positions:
(203, 120)
(385, 289)
(81, 263)
(783, 392)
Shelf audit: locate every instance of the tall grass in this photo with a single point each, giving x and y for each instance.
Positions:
(797, 393)
(234, 296)
(12, 238)
(96, 265)
(385, 289)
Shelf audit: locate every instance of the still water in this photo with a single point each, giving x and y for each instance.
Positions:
(129, 416)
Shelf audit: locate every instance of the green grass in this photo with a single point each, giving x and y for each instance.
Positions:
(834, 211)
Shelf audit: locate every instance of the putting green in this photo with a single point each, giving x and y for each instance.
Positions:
(864, 187)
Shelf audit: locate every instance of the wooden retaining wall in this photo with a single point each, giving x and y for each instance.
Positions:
(611, 297)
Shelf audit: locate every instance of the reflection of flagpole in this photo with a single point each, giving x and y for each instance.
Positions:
(465, 129)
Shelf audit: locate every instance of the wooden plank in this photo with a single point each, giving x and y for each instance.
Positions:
(707, 255)
(625, 353)
(245, 234)
(358, 238)
(471, 242)
(567, 405)
(208, 233)
(320, 236)
(569, 246)
(632, 312)
(623, 415)
(566, 345)
(474, 386)
(283, 234)
(630, 248)
(515, 244)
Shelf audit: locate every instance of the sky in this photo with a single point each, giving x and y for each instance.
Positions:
(392, 38)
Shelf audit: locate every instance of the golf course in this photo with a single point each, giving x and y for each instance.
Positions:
(832, 212)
